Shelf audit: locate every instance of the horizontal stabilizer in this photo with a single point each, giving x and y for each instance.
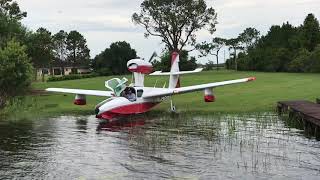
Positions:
(160, 73)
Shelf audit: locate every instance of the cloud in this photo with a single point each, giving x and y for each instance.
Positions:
(105, 21)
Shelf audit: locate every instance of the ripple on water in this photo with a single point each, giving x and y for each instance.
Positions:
(149, 147)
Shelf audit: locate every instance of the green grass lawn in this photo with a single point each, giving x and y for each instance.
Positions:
(258, 96)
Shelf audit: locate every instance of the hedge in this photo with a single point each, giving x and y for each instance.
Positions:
(71, 77)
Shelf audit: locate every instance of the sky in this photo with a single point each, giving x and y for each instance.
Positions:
(105, 21)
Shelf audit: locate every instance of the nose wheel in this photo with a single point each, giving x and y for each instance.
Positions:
(173, 107)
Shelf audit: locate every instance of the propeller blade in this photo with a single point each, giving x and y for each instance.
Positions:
(154, 54)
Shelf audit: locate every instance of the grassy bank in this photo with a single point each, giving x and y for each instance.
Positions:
(258, 96)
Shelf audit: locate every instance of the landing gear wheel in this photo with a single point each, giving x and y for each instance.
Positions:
(173, 107)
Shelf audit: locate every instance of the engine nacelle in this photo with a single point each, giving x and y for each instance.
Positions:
(208, 95)
(139, 66)
(80, 100)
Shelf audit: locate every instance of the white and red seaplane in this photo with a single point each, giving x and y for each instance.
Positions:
(135, 99)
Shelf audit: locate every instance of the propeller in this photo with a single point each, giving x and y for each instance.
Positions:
(154, 54)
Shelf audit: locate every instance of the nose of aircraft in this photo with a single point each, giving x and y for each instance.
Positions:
(96, 111)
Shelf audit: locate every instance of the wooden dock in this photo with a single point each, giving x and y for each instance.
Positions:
(308, 112)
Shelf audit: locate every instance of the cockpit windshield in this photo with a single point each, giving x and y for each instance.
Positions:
(116, 85)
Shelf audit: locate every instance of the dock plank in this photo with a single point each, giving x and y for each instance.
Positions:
(309, 109)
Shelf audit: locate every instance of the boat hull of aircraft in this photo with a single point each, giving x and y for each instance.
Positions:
(119, 107)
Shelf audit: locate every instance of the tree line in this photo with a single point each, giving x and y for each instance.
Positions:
(22, 51)
(246, 40)
(62, 48)
(15, 66)
(42, 47)
(284, 48)
(113, 60)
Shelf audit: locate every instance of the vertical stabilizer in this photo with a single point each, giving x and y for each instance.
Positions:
(174, 81)
(175, 72)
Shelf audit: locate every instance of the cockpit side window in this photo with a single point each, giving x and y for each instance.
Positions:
(139, 92)
(129, 93)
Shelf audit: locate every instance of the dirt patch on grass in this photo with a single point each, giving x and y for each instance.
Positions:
(37, 92)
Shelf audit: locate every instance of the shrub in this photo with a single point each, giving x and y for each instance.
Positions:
(104, 72)
(71, 77)
(300, 62)
(15, 71)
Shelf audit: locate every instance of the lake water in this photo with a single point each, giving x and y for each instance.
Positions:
(157, 147)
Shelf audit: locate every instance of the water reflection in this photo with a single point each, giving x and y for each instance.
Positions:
(121, 124)
(81, 123)
(258, 146)
(308, 129)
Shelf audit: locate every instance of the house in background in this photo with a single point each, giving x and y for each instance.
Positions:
(59, 68)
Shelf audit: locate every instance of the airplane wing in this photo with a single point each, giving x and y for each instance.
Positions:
(82, 92)
(182, 90)
(160, 73)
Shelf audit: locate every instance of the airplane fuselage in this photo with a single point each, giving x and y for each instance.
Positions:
(121, 106)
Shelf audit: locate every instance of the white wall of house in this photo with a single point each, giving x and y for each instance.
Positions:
(67, 71)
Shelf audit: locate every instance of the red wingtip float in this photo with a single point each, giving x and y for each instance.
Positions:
(252, 78)
(136, 98)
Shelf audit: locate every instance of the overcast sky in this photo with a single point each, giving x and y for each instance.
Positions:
(105, 21)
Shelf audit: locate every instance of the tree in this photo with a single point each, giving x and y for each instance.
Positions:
(40, 48)
(284, 48)
(10, 26)
(11, 10)
(249, 38)
(212, 48)
(175, 22)
(311, 32)
(234, 44)
(298, 64)
(186, 63)
(15, 71)
(114, 60)
(314, 61)
(78, 51)
(60, 48)
(60, 45)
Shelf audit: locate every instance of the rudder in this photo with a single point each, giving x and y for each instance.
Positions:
(174, 81)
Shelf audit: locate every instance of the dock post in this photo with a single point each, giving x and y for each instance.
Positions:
(280, 109)
(305, 111)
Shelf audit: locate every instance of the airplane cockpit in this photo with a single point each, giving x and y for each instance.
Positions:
(132, 93)
(120, 89)
(129, 93)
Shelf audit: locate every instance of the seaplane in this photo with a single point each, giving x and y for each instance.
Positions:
(124, 100)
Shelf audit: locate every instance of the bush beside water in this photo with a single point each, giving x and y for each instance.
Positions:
(71, 77)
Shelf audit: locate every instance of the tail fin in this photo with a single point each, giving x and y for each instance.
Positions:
(174, 81)
(175, 72)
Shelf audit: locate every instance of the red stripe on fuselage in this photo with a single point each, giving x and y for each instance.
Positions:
(174, 57)
(142, 69)
(127, 110)
(178, 83)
